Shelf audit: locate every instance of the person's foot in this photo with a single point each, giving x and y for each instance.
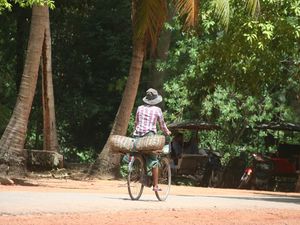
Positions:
(156, 188)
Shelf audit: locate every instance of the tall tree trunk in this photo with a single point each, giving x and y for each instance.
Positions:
(12, 157)
(22, 15)
(157, 77)
(107, 163)
(49, 131)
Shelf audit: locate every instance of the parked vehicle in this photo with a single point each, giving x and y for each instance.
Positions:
(189, 158)
(277, 171)
(269, 173)
(259, 174)
(213, 170)
(234, 170)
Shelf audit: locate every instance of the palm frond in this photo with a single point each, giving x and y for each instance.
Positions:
(148, 19)
(189, 10)
(222, 10)
(253, 7)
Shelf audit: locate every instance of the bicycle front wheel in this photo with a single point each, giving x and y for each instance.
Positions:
(136, 172)
(164, 179)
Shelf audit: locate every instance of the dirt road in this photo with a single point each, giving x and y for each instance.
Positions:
(106, 202)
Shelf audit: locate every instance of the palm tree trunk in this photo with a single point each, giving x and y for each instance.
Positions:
(12, 141)
(22, 25)
(49, 128)
(107, 163)
(123, 115)
(157, 77)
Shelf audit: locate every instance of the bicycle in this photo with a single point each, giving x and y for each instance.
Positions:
(137, 176)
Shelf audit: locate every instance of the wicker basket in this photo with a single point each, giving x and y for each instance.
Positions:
(121, 144)
(150, 143)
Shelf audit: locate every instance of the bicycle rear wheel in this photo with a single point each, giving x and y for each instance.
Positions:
(164, 179)
(136, 171)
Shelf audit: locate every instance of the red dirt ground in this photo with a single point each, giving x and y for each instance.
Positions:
(170, 217)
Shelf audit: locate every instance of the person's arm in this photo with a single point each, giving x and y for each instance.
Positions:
(162, 123)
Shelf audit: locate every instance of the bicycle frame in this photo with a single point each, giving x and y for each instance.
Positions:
(137, 176)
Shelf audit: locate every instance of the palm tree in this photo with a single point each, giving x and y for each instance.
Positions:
(49, 129)
(148, 18)
(12, 154)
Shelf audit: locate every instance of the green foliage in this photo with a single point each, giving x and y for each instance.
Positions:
(237, 112)
(131, 124)
(78, 155)
(177, 100)
(238, 78)
(4, 4)
(7, 4)
(26, 3)
(91, 53)
(92, 57)
(4, 116)
(184, 181)
(124, 166)
(7, 89)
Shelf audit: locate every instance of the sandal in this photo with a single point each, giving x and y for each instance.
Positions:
(156, 189)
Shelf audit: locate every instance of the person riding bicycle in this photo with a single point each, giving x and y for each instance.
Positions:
(146, 118)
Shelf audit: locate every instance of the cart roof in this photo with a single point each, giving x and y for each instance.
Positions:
(193, 125)
(279, 126)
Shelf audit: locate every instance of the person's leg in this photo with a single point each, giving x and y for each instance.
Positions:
(155, 179)
(155, 176)
(152, 162)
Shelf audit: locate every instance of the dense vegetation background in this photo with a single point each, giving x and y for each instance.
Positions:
(236, 76)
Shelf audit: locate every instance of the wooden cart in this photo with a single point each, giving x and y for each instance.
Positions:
(187, 163)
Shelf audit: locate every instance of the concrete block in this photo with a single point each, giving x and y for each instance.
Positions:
(42, 159)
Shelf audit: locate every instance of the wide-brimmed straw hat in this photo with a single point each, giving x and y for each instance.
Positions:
(152, 97)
